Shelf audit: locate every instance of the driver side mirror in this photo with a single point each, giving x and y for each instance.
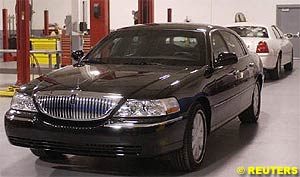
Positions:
(225, 59)
(77, 55)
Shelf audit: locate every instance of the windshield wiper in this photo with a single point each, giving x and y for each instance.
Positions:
(143, 63)
(94, 61)
(151, 63)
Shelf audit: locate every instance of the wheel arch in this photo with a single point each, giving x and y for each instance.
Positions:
(260, 80)
(206, 105)
(280, 53)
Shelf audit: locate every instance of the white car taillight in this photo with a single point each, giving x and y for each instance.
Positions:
(262, 47)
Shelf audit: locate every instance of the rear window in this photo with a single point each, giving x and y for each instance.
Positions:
(251, 31)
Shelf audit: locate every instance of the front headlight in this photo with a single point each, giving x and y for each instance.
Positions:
(22, 102)
(148, 108)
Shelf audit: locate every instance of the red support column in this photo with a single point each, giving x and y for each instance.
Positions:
(5, 34)
(46, 22)
(100, 26)
(151, 11)
(169, 15)
(146, 11)
(141, 12)
(23, 44)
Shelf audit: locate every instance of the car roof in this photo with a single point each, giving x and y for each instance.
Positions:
(247, 24)
(174, 26)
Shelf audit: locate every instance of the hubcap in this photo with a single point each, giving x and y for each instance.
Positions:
(198, 136)
(256, 101)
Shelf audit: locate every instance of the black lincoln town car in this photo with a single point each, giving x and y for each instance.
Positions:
(143, 91)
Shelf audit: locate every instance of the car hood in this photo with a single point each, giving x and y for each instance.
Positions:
(131, 81)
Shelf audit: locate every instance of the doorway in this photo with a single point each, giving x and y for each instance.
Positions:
(288, 20)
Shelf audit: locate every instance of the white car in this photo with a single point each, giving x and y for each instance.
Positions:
(273, 47)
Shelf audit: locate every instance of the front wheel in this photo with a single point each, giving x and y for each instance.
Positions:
(275, 73)
(251, 114)
(190, 156)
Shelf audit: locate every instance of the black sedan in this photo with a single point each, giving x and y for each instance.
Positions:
(143, 91)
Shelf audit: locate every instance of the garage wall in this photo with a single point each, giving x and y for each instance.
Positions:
(58, 9)
(220, 12)
(121, 12)
(258, 11)
(199, 11)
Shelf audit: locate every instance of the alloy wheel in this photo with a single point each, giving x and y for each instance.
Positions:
(198, 136)
(256, 100)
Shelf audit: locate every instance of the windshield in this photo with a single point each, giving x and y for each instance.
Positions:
(143, 47)
(251, 31)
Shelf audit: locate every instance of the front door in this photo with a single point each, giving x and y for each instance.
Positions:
(225, 88)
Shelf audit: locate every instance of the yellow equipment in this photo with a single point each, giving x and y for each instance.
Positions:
(9, 92)
(44, 44)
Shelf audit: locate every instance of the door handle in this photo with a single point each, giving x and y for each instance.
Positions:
(236, 72)
(251, 65)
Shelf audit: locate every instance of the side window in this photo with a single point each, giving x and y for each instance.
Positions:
(218, 44)
(234, 44)
(276, 32)
(280, 32)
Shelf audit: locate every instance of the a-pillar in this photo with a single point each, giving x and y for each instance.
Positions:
(23, 44)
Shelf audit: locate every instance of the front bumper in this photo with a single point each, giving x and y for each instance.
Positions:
(30, 130)
(269, 60)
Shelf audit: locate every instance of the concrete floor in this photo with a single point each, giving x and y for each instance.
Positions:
(274, 141)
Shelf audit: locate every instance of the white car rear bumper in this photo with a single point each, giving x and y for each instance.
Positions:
(269, 61)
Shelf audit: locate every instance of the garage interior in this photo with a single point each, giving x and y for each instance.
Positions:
(56, 30)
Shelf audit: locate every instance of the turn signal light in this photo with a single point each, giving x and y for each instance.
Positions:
(262, 47)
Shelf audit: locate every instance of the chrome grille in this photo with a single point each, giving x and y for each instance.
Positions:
(80, 106)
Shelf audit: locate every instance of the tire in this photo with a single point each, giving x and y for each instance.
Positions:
(275, 73)
(251, 115)
(46, 154)
(290, 66)
(188, 158)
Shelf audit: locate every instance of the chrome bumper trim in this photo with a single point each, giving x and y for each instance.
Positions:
(135, 125)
